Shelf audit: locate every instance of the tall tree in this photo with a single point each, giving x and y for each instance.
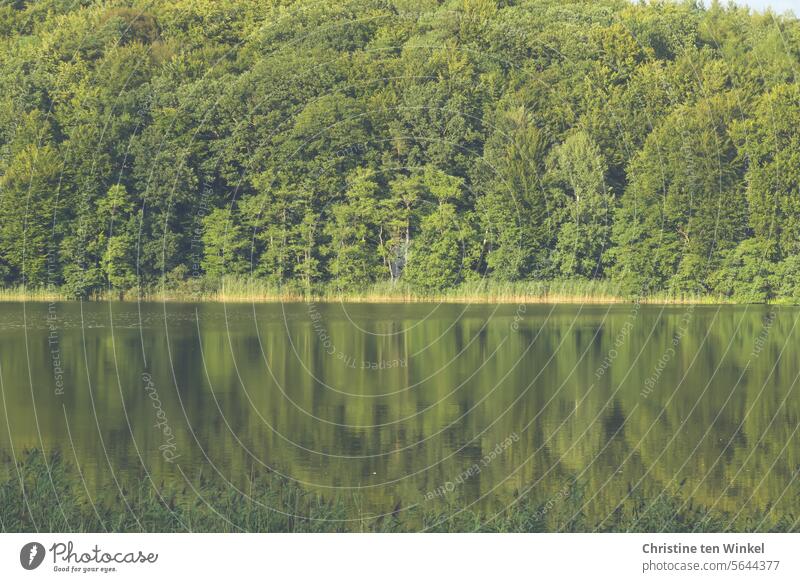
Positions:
(584, 236)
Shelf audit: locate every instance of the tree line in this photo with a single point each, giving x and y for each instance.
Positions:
(423, 142)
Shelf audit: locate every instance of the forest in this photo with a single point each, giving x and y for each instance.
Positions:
(420, 144)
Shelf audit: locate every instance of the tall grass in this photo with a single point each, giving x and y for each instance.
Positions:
(22, 293)
(41, 494)
(249, 289)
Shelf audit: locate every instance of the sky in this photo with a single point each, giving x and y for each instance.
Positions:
(776, 5)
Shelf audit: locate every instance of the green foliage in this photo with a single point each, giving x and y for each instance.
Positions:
(514, 210)
(435, 259)
(584, 234)
(747, 272)
(411, 143)
(771, 141)
(352, 232)
(787, 275)
(224, 244)
(47, 493)
(29, 187)
(684, 205)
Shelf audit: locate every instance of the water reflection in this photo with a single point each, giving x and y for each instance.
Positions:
(395, 402)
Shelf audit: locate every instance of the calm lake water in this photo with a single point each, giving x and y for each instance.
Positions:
(399, 406)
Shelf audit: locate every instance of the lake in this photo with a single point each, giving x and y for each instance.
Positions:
(399, 406)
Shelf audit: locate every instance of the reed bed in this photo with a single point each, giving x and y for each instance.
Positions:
(47, 494)
(22, 293)
(252, 290)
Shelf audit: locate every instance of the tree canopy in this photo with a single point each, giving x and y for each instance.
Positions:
(431, 142)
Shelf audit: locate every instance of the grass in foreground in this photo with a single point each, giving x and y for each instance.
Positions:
(49, 496)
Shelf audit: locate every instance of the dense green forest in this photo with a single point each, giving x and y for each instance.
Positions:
(422, 143)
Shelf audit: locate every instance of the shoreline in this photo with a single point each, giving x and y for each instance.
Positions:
(487, 292)
(478, 299)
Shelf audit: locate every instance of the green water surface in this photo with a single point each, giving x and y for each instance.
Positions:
(420, 405)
